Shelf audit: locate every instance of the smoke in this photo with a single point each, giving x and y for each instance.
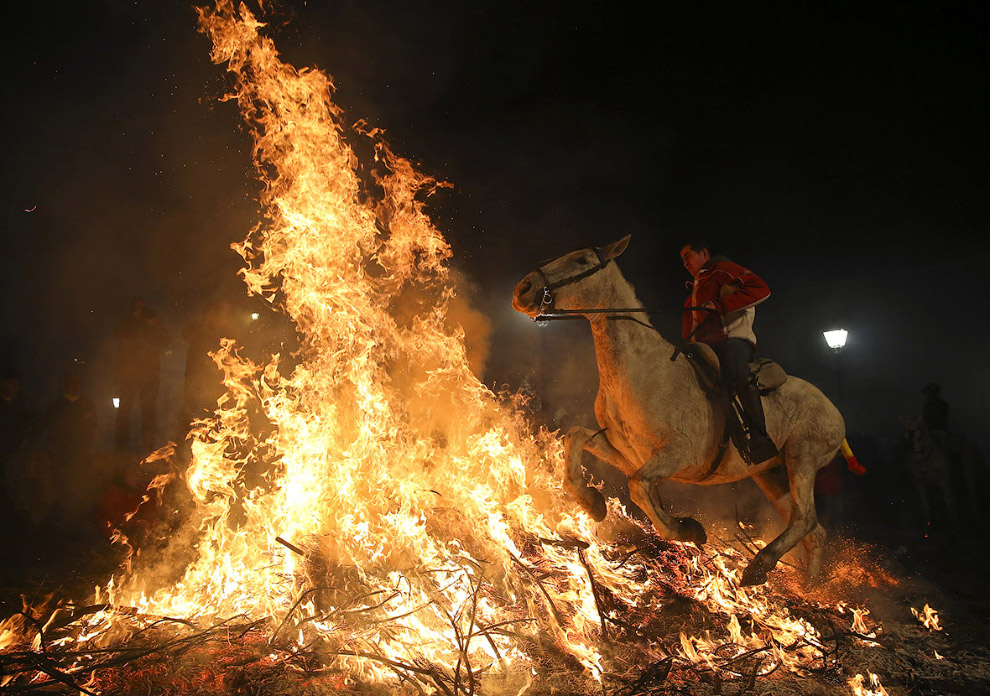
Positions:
(463, 312)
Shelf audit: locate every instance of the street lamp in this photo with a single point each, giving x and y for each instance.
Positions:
(836, 340)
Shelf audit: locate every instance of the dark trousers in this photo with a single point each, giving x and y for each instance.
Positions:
(145, 395)
(734, 357)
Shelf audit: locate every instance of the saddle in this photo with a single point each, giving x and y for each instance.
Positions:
(768, 375)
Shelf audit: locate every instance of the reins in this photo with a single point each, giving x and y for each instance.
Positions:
(577, 313)
(547, 302)
(542, 319)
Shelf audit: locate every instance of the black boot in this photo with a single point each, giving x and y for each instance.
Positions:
(760, 446)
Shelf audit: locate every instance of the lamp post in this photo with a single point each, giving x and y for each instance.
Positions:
(836, 340)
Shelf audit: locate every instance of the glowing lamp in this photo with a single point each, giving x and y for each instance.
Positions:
(836, 338)
(116, 402)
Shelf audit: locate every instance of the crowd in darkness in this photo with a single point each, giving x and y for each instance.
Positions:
(60, 486)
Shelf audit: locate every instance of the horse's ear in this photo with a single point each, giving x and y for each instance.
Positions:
(610, 251)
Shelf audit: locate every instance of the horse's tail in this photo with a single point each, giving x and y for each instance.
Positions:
(851, 461)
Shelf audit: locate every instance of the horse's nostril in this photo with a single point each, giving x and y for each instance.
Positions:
(525, 287)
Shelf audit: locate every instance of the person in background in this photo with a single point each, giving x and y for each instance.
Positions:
(70, 434)
(829, 495)
(127, 507)
(203, 383)
(18, 422)
(71, 425)
(935, 415)
(140, 338)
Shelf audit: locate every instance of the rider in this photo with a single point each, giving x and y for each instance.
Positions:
(936, 415)
(733, 293)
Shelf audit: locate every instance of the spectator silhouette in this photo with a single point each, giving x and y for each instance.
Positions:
(203, 383)
(124, 507)
(18, 422)
(71, 426)
(140, 337)
(70, 430)
(935, 414)
(829, 496)
(17, 418)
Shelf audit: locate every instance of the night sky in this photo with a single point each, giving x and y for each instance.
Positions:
(841, 154)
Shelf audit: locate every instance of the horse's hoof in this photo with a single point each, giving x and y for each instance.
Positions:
(689, 529)
(753, 575)
(593, 502)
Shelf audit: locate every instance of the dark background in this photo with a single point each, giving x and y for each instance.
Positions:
(840, 153)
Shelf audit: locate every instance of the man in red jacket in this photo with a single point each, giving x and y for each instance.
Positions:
(733, 293)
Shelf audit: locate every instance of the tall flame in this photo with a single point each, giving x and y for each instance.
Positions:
(383, 458)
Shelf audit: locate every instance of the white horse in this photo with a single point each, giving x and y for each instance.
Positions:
(659, 424)
(930, 469)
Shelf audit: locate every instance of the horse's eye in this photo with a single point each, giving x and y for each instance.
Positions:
(582, 261)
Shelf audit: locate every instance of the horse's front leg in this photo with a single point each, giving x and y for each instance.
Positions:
(644, 492)
(576, 441)
(642, 485)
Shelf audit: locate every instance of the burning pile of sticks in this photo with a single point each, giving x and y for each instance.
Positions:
(53, 650)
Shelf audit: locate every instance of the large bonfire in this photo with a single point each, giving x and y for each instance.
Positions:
(370, 511)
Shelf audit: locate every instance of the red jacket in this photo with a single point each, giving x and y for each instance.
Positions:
(734, 291)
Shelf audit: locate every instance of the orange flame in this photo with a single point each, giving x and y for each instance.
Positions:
(928, 617)
(873, 688)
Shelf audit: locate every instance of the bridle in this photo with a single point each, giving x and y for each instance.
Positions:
(547, 302)
(548, 311)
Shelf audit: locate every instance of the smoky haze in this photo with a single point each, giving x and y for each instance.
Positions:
(840, 156)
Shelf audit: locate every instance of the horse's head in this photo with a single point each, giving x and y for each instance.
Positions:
(571, 281)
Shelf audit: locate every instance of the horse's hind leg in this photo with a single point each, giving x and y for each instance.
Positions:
(921, 486)
(944, 483)
(774, 485)
(803, 522)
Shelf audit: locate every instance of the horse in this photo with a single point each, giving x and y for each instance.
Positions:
(930, 468)
(658, 423)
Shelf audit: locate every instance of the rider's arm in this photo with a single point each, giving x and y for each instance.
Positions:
(739, 288)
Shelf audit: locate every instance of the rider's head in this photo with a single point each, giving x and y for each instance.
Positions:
(695, 255)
